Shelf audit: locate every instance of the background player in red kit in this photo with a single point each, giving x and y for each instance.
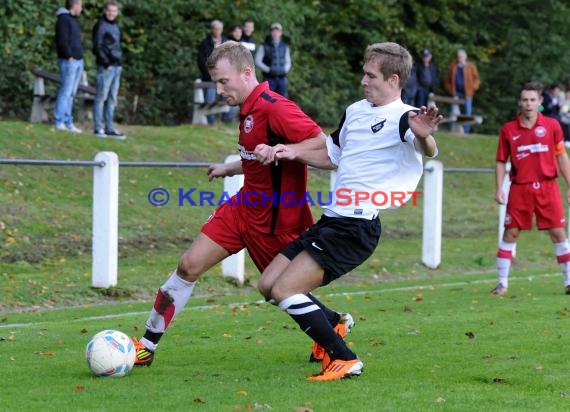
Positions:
(535, 146)
(257, 221)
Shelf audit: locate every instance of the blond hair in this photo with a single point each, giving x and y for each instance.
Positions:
(392, 59)
(235, 53)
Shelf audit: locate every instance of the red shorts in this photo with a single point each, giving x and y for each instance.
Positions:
(539, 198)
(230, 230)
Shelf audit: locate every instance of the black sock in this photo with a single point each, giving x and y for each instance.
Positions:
(332, 316)
(312, 320)
(153, 336)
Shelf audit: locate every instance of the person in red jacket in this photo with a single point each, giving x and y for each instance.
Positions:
(534, 144)
(462, 81)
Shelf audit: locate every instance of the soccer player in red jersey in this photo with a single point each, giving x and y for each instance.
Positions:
(535, 146)
(255, 218)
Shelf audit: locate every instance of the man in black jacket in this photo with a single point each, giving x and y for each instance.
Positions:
(108, 53)
(70, 62)
(205, 48)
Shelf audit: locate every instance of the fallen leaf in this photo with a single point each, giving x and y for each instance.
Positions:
(470, 335)
(440, 400)
(418, 298)
(303, 409)
(498, 379)
(407, 308)
(199, 400)
(242, 392)
(46, 353)
(83, 330)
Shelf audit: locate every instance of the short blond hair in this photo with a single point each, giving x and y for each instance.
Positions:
(236, 54)
(392, 59)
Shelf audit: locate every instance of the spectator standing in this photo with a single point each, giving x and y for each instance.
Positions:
(108, 53)
(69, 48)
(427, 74)
(274, 59)
(553, 102)
(235, 33)
(410, 88)
(462, 81)
(212, 39)
(247, 35)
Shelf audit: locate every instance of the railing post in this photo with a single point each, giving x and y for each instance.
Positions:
(503, 207)
(234, 266)
(433, 206)
(198, 116)
(105, 220)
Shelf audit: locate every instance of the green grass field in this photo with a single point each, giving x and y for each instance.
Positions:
(440, 346)
(430, 339)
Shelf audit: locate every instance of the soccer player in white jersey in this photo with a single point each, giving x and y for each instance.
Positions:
(377, 148)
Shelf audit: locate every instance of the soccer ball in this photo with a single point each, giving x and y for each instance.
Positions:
(110, 353)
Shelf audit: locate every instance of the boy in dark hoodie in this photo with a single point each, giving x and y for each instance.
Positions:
(70, 62)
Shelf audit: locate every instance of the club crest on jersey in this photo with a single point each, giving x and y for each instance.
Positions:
(540, 131)
(248, 124)
(376, 127)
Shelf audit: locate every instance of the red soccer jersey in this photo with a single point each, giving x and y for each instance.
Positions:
(271, 195)
(532, 151)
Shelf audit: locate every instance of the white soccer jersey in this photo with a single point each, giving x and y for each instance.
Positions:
(379, 160)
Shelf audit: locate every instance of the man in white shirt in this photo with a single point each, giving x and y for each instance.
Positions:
(377, 149)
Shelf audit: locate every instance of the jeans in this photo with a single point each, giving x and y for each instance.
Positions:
(108, 81)
(278, 85)
(70, 71)
(467, 109)
(210, 97)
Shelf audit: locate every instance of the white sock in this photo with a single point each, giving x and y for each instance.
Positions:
(170, 300)
(562, 251)
(504, 258)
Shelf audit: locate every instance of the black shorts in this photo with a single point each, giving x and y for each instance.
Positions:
(338, 244)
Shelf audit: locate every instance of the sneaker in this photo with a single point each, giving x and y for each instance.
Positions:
(567, 289)
(71, 128)
(61, 127)
(115, 134)
(500, 290)
(100, 133)
(342, 328)
(339, 369)
(144, 356)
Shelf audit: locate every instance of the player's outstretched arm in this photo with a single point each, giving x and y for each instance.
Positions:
(216, 170)
(423, 124)
(500, 171)
(311, 151)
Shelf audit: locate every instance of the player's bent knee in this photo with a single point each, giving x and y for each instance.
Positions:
(264, 288)
(189, 269)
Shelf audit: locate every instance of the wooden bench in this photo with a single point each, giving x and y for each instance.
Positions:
(43, 103)
(200, 108)
(455, 119)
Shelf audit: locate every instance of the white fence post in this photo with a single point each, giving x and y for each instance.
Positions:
(503, 207)
(234, 265)
(433, 206)
(105, 220)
